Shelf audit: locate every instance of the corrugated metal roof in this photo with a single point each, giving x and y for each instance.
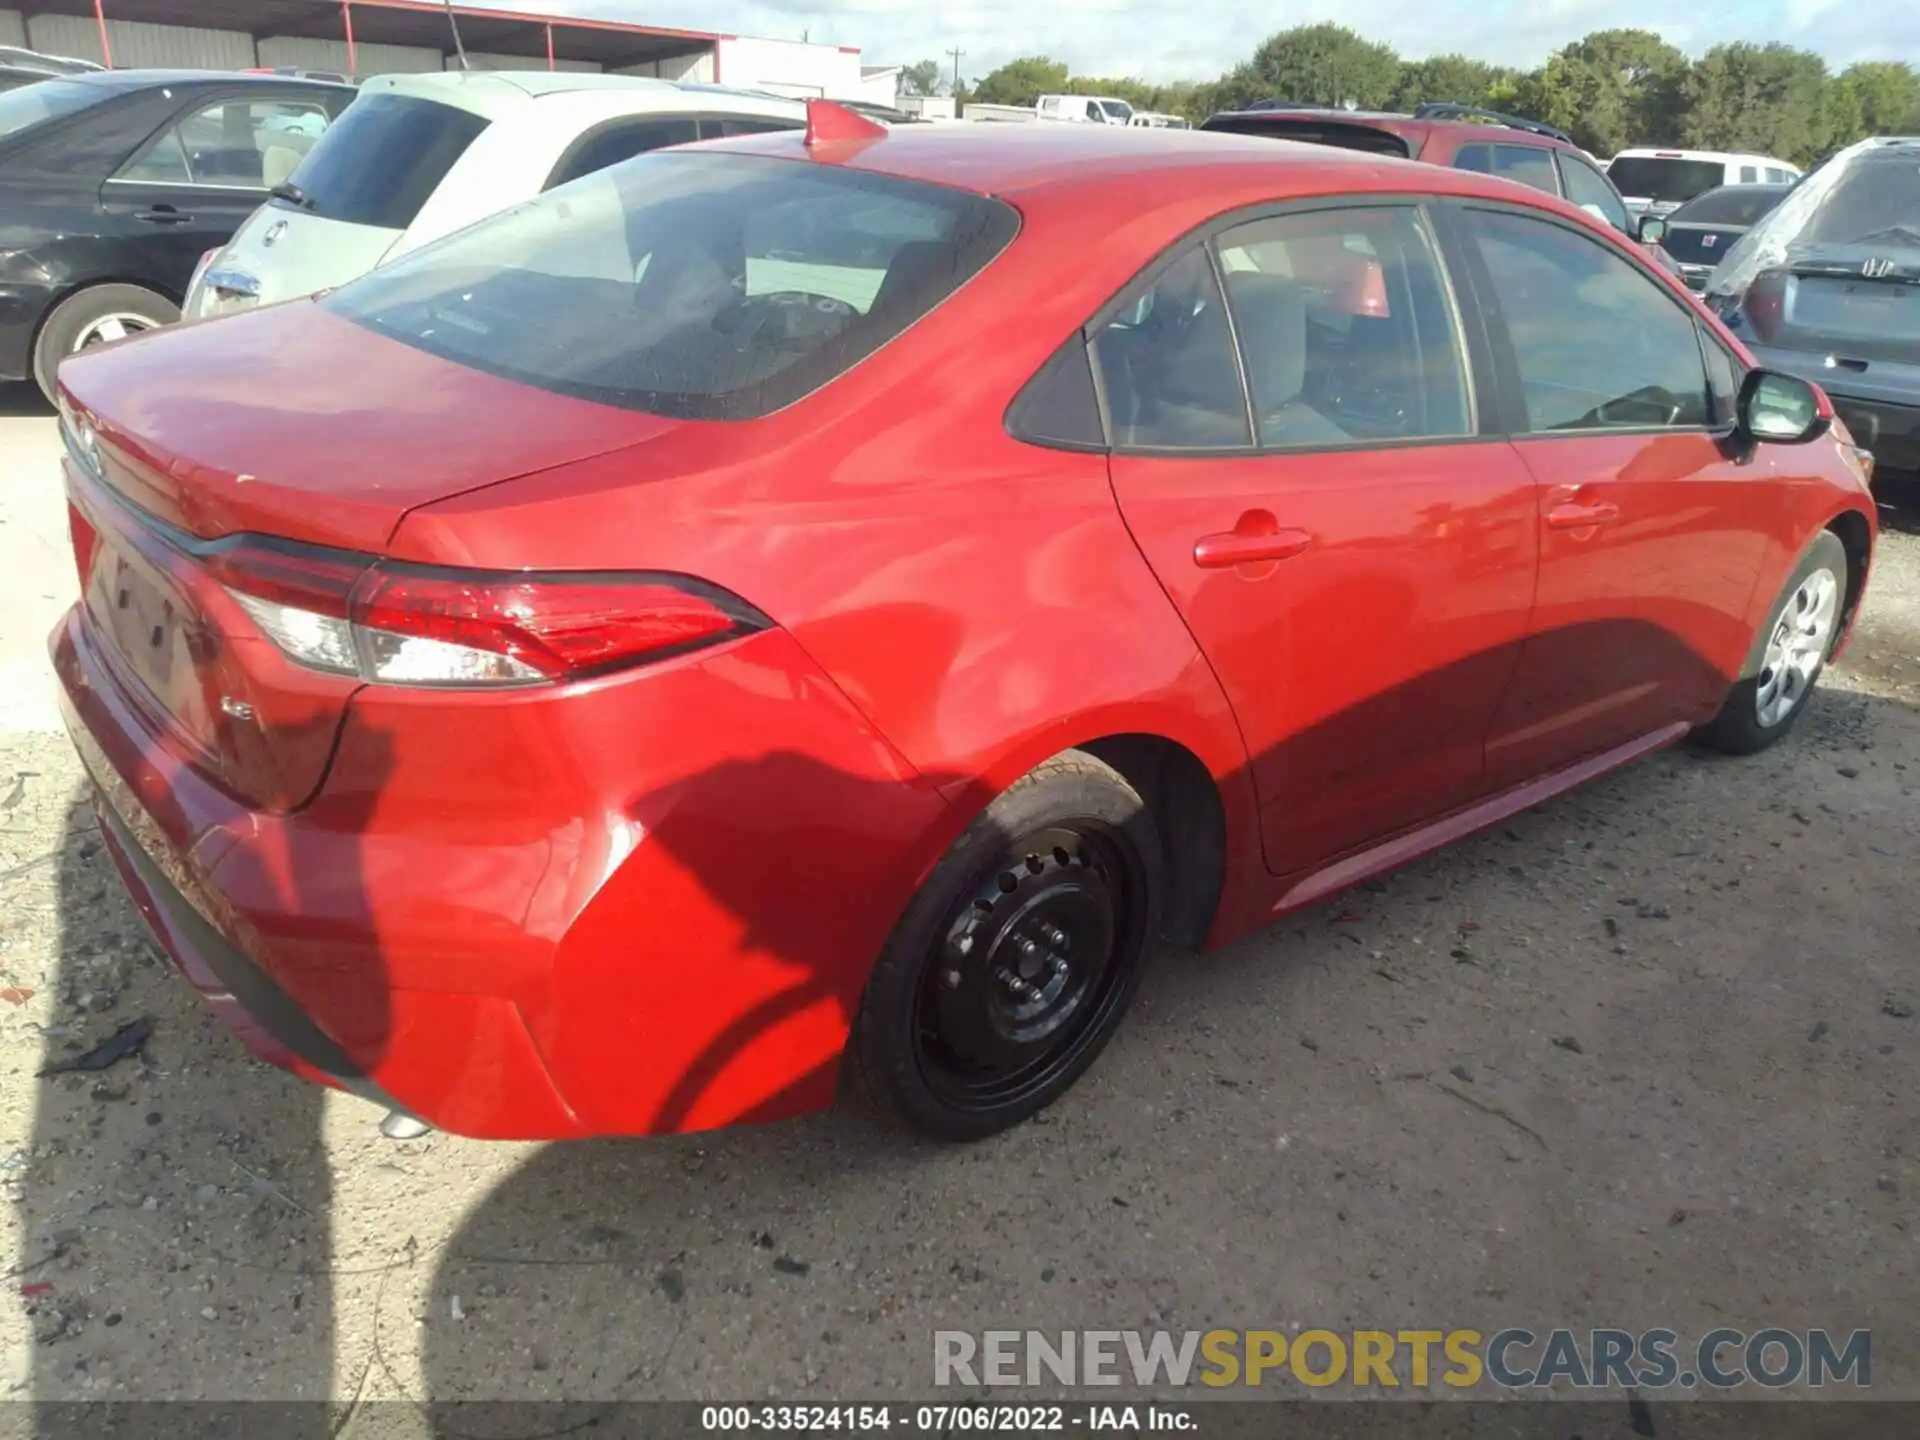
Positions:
(409, 22)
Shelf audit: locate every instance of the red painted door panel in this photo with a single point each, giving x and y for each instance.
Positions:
(1365, 660)
(1649, 549)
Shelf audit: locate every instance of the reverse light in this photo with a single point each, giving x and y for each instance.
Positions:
(423, 625)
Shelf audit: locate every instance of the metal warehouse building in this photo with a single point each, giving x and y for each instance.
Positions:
(371, 37)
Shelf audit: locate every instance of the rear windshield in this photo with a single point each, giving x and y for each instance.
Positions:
(1874, 201)
(381, 160)
(1372, 140)
(46, 100)
(1729, 205)
(701, 286)
(1647, 177)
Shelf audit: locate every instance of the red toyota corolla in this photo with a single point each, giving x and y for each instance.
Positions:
(852, 593)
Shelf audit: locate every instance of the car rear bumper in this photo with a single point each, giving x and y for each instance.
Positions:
(557, 916)
(1885, 418)
(22, 308)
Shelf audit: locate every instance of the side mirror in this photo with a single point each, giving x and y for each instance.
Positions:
(1652, 229)
(1783, 409)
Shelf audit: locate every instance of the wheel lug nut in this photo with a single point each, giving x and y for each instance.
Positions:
(952, 977)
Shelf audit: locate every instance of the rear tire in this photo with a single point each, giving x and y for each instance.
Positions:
(1788, 654)
(1013, 965)
(97, 315)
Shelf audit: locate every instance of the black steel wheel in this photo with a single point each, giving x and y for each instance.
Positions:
(1014, 964)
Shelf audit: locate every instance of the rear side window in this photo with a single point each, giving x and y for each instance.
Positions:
(622, 140)
(701, 286)
(1524, 163)
(1168, 364)
(1347, 330)
(1749, 174)
(383, 159)
(46, 100)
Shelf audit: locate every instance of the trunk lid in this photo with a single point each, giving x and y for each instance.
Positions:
(288, 423)
(1851, 303)
(293, 422)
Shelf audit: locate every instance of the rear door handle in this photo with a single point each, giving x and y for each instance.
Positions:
(1582, 517)
(1256, 537)
(163, 215)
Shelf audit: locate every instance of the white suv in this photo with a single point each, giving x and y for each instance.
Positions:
(416, 157)
(1652, 182)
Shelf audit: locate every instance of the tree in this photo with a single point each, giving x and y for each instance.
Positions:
(920, 78)
(1874, 97)
(1611, 90)
(1022, 82)
(1325, 63)
(1446, 77)
(1770, 98)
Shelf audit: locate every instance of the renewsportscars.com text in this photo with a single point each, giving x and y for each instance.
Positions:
(1513, 1358)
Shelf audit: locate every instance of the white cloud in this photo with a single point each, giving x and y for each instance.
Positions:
(1170, 41)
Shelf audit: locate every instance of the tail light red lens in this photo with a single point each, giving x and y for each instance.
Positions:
(1765, 304)
(405, 624)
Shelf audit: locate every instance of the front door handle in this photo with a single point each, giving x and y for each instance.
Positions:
(1574, 516)
(1257, 536)
(163, 215)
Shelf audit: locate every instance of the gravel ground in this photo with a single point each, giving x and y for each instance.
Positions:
(1645, 1057)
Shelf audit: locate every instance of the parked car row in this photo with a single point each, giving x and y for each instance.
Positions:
(846, 594)
(140, 193)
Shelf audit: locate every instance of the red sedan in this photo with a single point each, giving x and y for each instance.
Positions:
(852, 593)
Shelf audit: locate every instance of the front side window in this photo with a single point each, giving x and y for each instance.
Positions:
(232, 144)
(701, 286)
(1347, 328)
(1776, 176)
(1597, 344)
(1168, 367)
(1587, 189)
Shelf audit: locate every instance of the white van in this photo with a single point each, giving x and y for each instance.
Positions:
(1652, 182)
(1087, 109)
(416, 157)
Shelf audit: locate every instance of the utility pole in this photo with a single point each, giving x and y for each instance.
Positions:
(956, 53)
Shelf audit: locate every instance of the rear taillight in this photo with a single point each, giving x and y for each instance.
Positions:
(402, 624)
(1765, 303)
(200, 273)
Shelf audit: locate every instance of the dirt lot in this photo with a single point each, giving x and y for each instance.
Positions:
(1646, 1057)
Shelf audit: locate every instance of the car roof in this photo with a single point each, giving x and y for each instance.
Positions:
(1415, 128)
(1107, 163)
(1669, 152)
(493, 93)
(183, 79)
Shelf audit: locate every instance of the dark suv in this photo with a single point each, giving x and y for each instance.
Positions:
(1461, 137)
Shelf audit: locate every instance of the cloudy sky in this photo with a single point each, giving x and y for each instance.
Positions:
(1201, 38)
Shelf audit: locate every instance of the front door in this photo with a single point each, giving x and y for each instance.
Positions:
(1651, 528)
(1303, 469)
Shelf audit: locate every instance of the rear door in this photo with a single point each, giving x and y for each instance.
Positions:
(1352, 555)
(1651, 533)
(203, 173)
